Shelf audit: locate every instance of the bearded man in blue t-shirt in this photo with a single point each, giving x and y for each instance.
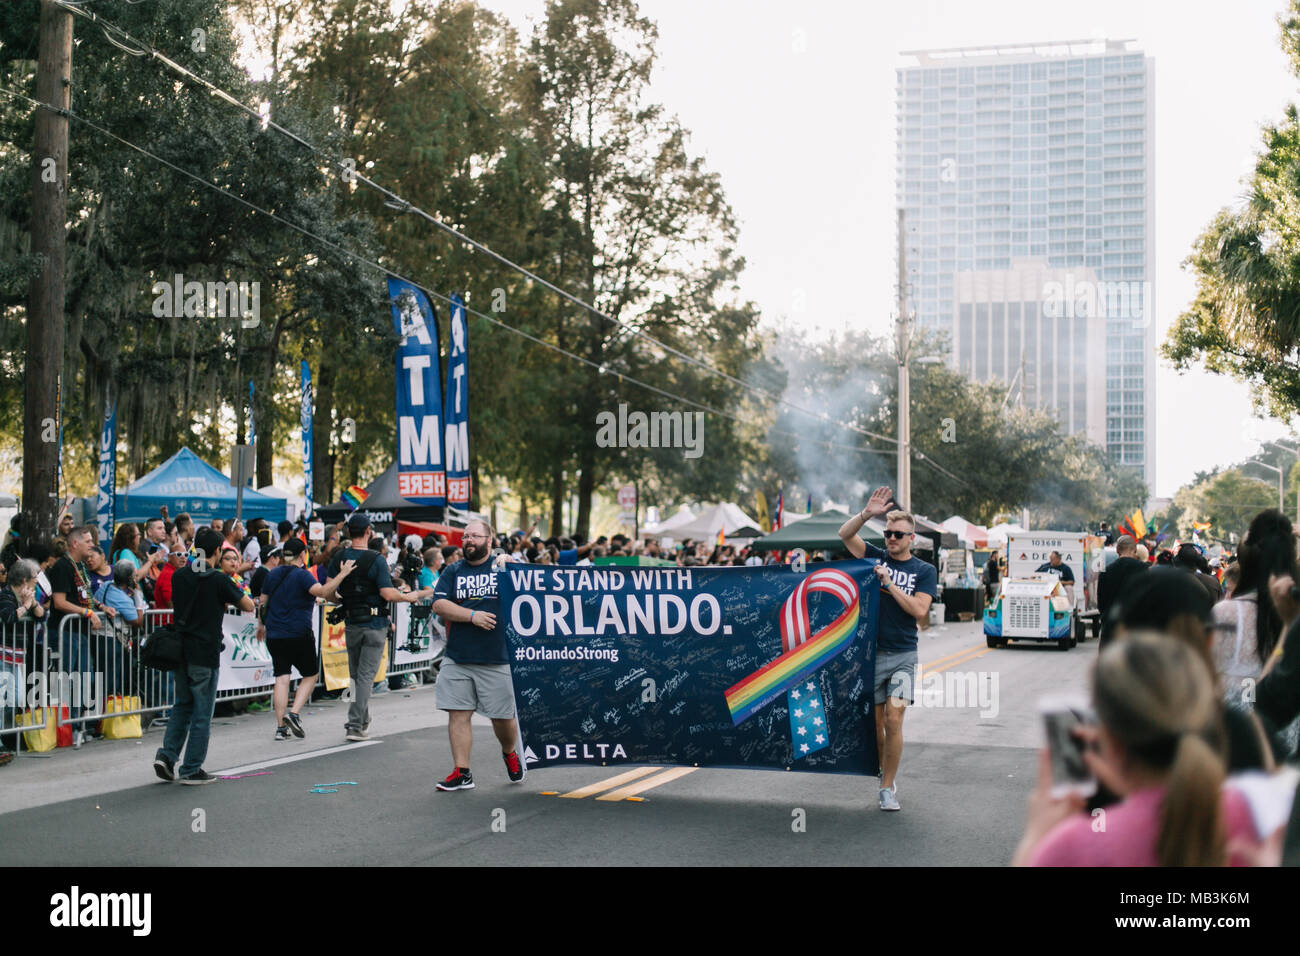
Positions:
(907, 586)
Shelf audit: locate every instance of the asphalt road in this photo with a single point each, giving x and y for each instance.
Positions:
(967, 768)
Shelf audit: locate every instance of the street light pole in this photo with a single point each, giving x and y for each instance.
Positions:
(1296, 452)
(903, 332)
(1256, 461)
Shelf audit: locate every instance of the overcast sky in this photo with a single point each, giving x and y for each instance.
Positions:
(793, 105)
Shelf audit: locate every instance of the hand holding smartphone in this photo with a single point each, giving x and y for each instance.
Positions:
(1062, 714)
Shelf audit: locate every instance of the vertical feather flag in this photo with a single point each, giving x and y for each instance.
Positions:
(779, 514)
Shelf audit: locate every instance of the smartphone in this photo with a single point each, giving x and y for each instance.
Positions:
(1061, 715)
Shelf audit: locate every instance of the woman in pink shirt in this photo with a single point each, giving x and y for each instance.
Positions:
(1160, 747)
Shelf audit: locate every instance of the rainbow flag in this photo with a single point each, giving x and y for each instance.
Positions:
(722, 538)
(804, 652)
(355, 496)
(1201, 526)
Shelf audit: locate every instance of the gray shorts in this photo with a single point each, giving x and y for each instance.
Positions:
(895, 675)
(486, 688)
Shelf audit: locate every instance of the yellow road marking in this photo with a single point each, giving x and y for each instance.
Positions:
(948, 657)
(622, 778)
(667, 776)
(965, 660)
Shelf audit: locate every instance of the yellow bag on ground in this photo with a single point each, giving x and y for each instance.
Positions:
(43, 739)
(121, 728)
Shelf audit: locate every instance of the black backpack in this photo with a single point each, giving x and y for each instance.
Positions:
(360, 598)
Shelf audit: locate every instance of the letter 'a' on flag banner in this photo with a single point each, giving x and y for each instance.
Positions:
(457, 408)
(420, 473)
(107, 504)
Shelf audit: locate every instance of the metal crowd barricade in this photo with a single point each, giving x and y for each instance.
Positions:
(91, 665)
(415, 631)
(22, 665)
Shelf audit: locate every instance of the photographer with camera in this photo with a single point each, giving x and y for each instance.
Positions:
(364, 596)
(201, 597)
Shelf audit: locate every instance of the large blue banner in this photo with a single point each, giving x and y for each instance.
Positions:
(305, 420)
(420, 475)
(107, 504)
(457, 408)
(724, 667)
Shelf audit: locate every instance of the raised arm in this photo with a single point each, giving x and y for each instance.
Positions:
(877, 504)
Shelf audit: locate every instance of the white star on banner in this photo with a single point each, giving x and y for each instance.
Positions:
(803, 748)
(817, 721)
(814, 704)
(810, 686)
(820, 739)
(803, 731)
(794, 694)
(798, 713)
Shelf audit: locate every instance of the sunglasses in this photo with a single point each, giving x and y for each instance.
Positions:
(897, 534)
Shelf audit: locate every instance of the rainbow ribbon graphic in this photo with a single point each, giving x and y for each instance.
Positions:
(802, 654)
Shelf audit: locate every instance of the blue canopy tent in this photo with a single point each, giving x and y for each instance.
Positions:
(186, 483)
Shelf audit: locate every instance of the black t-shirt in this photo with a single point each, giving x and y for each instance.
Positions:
(473, 587)
(255, 583)
(210, 592)
(65, 580)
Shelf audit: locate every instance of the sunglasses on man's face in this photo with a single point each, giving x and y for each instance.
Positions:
(897, 534)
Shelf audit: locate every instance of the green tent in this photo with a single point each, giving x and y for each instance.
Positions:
(821, 533)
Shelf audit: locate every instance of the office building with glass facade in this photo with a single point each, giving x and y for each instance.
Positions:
(1026, 178)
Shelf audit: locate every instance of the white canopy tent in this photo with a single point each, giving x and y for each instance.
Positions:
(296, 503)
(669, 525)
(998, 533)
(726, 517)
(971, 535)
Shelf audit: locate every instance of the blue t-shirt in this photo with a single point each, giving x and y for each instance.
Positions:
(896, 629)
(110, 595)
(473, 587)
(569, 556)
(289, 603)
(427, 578)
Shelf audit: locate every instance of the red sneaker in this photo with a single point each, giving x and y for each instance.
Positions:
(514, 767)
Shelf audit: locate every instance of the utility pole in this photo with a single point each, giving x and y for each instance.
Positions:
(45, 317)
(903, 493)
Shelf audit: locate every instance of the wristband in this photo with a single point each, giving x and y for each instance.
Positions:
(471, 616)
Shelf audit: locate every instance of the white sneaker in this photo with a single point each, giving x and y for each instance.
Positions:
(889, 799)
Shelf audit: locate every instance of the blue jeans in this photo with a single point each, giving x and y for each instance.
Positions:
(76, 665)
(196, 697)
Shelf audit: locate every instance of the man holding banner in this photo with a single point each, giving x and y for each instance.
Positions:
(908, 585)
(475, 675)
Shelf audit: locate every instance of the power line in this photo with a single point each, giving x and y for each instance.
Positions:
(602, 369)
(393, 200)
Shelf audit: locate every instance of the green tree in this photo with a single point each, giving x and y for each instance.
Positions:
(1245, 319)
(1227, 500)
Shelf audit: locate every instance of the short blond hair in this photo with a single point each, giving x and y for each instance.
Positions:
(901, 516)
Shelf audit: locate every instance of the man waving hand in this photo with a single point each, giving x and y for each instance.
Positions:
(907, 585)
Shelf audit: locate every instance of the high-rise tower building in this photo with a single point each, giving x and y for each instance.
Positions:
(1026, 177)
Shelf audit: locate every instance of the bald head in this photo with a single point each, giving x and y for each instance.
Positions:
(1126, 546)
